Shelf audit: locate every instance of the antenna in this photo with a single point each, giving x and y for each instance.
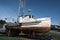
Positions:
(29, 11)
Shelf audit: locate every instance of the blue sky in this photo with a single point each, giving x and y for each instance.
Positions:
(39, 8)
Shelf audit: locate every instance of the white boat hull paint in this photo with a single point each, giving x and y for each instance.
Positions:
(44, 22)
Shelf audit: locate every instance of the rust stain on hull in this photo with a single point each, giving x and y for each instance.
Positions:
(38, 29)
(35, 29)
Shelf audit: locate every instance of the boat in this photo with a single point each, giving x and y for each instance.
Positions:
(28, 23)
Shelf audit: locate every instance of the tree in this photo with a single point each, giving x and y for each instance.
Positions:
(2, 22)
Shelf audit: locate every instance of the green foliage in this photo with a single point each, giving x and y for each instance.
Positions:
(55, 36)
(10, 38)
(2, 22)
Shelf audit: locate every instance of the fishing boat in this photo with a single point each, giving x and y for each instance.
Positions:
(28, 24)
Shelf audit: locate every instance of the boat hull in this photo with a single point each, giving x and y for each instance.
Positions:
(42, 27)
(37, 29)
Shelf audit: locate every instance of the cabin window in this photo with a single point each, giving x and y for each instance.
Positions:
(29, 16)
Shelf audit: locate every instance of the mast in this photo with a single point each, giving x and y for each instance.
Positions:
(20, 9)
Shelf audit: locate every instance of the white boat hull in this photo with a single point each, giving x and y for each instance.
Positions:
(43, 22)
(43, 26)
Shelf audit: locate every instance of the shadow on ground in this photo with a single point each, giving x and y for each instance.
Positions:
(36, 37)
